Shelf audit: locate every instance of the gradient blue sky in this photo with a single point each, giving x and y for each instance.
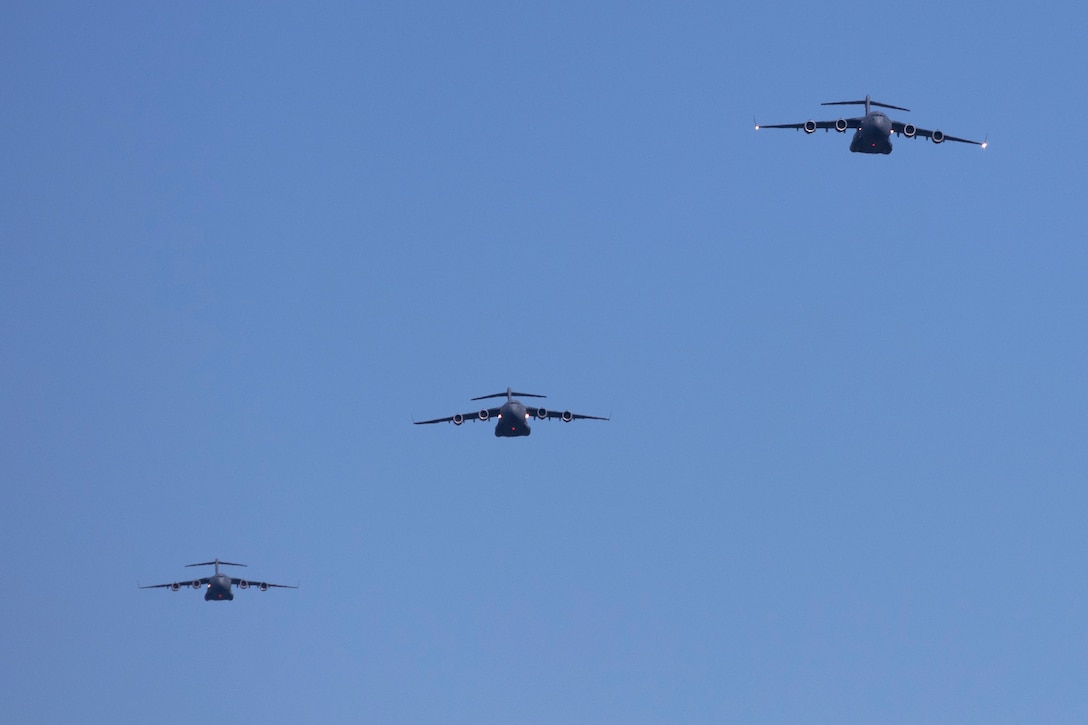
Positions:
(242, 245)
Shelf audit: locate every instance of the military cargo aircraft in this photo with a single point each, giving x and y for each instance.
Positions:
(873, 131)
(218, 585)
(512, 418)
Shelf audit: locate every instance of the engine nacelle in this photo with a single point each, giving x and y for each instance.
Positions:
(541, 413)
(841, 125)
(174, 587)
(809, 127)
(263, 587)
(938, 136)
(195, 585)
(458, 419)
(243, 584)
(909, 130)
(567, 416)
(484, 415)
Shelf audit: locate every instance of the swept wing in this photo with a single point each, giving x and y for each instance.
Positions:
(194, 583)
(564, 415)
(236, 581)
(899, 127)
(811, 126)
(462, 417)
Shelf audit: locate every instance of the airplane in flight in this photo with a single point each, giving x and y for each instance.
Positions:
(512, 418)
(873, 130)
(218, 585)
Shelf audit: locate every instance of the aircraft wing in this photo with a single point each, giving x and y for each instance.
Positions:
(260, 585)
(899, 128)
(462, 417)
(825, 125)
(195, 583)
(564, 415)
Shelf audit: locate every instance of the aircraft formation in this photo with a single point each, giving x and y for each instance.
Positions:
(872, 135)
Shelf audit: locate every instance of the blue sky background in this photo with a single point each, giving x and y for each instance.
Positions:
(242, 245)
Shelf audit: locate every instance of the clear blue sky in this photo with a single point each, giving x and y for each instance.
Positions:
(243, 245)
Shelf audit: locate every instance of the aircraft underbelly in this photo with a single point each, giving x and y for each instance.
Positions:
(870, 143)
(511, 430)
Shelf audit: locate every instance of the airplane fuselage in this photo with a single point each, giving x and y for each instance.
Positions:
(512, 421)
(874, 136)
(218, 589)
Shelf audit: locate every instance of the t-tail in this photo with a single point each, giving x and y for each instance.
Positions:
(509, 395)
(867, 103)
(216, 564)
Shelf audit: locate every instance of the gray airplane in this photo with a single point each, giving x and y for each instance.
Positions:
(512, 418)
(218, 585)
(873, 130)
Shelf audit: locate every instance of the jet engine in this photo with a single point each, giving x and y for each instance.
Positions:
(195, 585)
(174, 587)
(541, 413)
(810, 127)
(909, 130)
(938, 136)
(458, 419)
(841, 125)
(484, 415)
(243, 584)
(263, 587)
(569, 416)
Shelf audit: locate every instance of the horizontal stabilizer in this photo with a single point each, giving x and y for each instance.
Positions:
(213, 563)
(510, 393)
(864, 103)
